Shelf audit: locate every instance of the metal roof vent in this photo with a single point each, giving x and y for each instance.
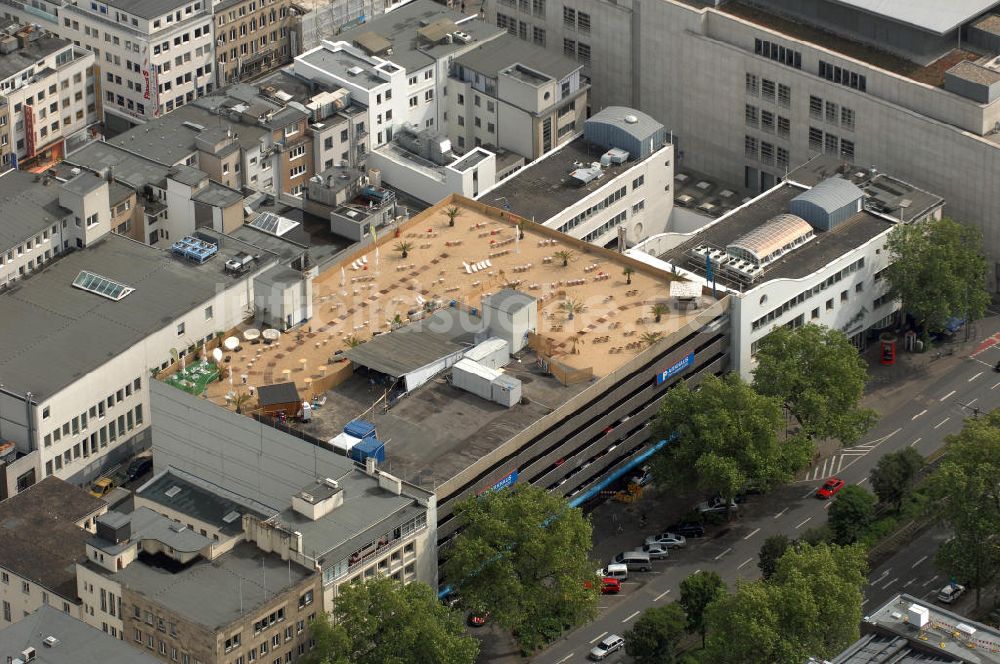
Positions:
(172, 491)
(631, 119)
(50, 642)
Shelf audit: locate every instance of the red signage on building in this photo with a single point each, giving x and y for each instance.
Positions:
(29, 130)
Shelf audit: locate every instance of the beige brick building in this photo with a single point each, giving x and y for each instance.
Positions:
(254, 37)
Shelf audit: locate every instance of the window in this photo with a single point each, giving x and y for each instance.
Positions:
(180, 329)
(784, 127)
(751, 116)
(752, 84)
(208, 312)
(767, 153)
(843, 76)
(569, 48)
(781, 159)
(583, 22)
(750, 147)
(638, 182)
(538, 35)
(784, 95)
(569, 17)
(831, 112)
(847, 118)
(831, 144)
(815, 138)
(829, 304)
(767, 121)
(538, 8)
(583, 53)
(847, 150)
(767, 89)
(815, 108)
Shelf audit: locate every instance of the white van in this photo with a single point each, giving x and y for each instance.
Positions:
(636, 561)
(614, 571)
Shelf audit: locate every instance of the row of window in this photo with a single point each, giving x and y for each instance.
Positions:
(831, 144)
(767, 153)
(593, 209)
(88, 446)
(769, 90)
(831, 112)
(844, 76)
(577, 50)
(28, 245)
(576, 20)
(809, 292)
(767, 121)
(778, 53)
(251, 8)
(611, 223)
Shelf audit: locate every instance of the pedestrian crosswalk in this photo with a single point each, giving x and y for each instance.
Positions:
(836, 463)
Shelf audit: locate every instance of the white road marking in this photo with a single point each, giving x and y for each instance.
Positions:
(884, 574)
(894, 580)
(745, 563)
(565, 659)
(864, 602)
(783, 511)
(973, 401)
(947, 395)
(598, 637)
(918, 562)
(803, 523)
(697, 570)
(752, 534)
(840, 463)
(909, 582)
(918, 414)
(862, 480)
(661, 595)
(826, 506)
(630, 617)
(929, 581)
(941, 422)
(724, 553)
(916, 441)
(974, 377)
(995, 386)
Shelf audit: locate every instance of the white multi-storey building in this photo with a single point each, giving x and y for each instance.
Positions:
(810, 250)
(611, 184)
(81, 338)
(153, 55)
(48, 96)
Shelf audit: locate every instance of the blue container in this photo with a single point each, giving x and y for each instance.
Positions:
(360, 429)
(369, 447)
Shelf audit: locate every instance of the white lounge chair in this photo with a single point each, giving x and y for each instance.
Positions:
(488, 263)
(468, 268)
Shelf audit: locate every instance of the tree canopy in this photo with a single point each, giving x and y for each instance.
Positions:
(655, 637)
(966, 495)
(382, 621)
(770, 553)
(938, 270)
(852, 511)
(893, 475)
(819, 376)
(811, 606)
(727, 435)
(697, 592)
(523, 556)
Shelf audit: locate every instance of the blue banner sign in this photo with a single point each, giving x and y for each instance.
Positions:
(505, 483)
(678, 366)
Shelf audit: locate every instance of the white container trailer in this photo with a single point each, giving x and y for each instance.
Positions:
(474, 377)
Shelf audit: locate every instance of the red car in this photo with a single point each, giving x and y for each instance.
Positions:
(609, 586)
(478, 619)
(830, 488)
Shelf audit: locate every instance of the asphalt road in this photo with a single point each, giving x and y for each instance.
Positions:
(941, 394)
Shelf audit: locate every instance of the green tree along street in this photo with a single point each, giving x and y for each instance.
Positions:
(938, 270)
(727, 435)
(382, 621)
(522, 556)
(819, 377)
(770, 553)
(697, 592)
(811, 606)
(893, 476)
(655, 637)
(966, 495)
(852, 511)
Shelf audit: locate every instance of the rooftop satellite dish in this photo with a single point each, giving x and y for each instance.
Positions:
(217, 354)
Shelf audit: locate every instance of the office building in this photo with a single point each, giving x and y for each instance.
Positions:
(175, 594)
(302, 502)
(810, 250)
(751, 90)
(49, 98)
(615, 178)
(46, 526)
(49, 636)
(253, 37)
